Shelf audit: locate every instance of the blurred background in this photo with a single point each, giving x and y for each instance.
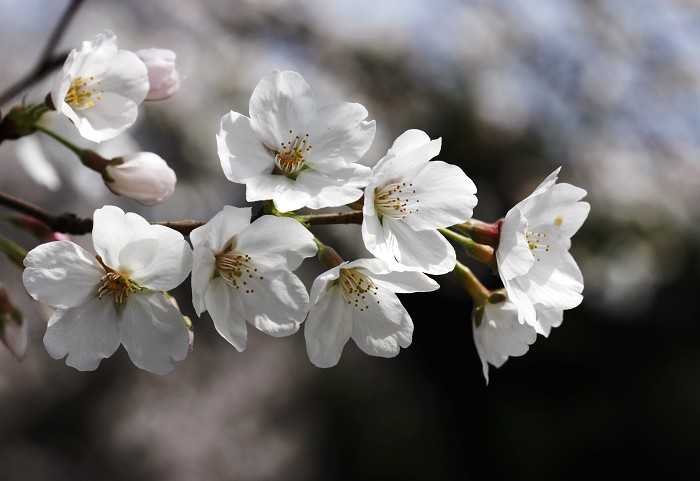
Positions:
(608, 89)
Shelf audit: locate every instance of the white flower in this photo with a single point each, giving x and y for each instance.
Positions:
(408, 198)
(100, 88)
(114, 297)
(499, 335)
(293, 152)
(357, 299)
(163, 77)
(243, 272)
(533, 253)
(143, 176)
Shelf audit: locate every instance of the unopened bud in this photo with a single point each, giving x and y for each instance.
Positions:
(328, 257)
(144, 177)
(162, 72)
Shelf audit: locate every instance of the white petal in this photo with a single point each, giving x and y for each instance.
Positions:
(385, 276)
(285, 193)
(327, 330)
(276, 302)
(500, 336)
(325, 191)
(340, 132)
(126, 76)
(171, 264)
(203, 268)
(409, 141)
(549, 318)
(406, 282)
(525, 307)
(138, 255)
(61, 274)
(446, 196)
(559, 288)
(560, 206)
(107, 119)
(407, 156)
(372, 229)
(86, 334)
(112, 229)
(281, 102)
(227, 313)
(323, 282)
(153, 332)
(426, 250)
(278, 241)
(513, 255)
(221, 228)
(382, 327)
(241, 153)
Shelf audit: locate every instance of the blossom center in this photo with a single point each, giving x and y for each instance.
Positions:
(358, 289)
(289, 159)
(537, 242)
(116, 284)
(396, 200)
(237, 270)
(82, 94)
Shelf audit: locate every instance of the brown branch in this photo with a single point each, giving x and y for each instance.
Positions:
(69, 223)
(47, 61)
(353, 217)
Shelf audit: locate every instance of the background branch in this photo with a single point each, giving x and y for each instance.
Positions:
(48, 61)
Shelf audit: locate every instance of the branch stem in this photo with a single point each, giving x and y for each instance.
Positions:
(47, 60)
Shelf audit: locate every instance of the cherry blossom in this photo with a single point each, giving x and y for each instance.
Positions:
(100, 88)
(243, 273)
(115, 297)
(408, 198)
(358, 300)
(533, 256)
(294, 152)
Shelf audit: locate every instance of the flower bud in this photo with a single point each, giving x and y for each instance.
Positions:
(162, 72)
(143, 176)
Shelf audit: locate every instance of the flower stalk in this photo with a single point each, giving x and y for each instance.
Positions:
(480, 252)
(13, 251)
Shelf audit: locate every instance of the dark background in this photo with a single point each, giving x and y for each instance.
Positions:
(608, 89)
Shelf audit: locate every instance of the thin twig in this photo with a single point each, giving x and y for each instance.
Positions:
(48, 61)
(353, 217)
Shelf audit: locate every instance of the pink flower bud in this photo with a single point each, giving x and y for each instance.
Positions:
(143, 176)
(162, 72)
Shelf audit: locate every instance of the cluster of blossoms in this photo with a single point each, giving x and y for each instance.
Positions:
(293, 154)
(100, 90)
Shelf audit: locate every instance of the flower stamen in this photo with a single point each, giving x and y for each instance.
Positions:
(82, 94)
(116, 284)
(237, 270)
(396, 200)
(289, 160)
(356, 288)
(536, 243)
